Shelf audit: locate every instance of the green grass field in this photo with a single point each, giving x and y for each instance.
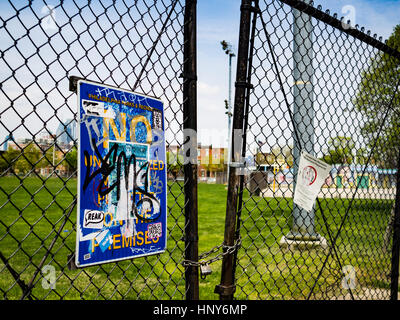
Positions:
(32, 211)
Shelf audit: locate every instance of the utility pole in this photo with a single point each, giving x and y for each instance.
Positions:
(227, 47)
(303, 113)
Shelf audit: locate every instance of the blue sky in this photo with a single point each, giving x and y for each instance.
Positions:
(219, 20)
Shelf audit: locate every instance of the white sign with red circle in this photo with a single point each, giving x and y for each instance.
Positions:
(310, 178)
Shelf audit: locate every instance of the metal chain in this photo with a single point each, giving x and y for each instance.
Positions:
(226, 250)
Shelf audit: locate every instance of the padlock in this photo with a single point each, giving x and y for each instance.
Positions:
(205, 270)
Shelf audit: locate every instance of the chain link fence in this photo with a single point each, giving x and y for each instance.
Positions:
(317, 84)
(306, 81)
(136, 45)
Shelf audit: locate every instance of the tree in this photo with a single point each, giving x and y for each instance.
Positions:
(175, 163)
(29, 160)
(8, 160)
(362, 156)
(287, 152)
(71, 160)
(375, 91)
(278, 155)
(264, 158)
(48, 158)
(340, 151)
(283, 154)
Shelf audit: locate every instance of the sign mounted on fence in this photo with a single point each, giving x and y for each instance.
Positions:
(122, 185)
(310, 178)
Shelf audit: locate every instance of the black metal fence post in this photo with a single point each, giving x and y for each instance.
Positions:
(226, 288)
(394, 281)
(190, 167)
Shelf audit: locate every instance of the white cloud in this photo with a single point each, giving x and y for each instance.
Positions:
(207, 89)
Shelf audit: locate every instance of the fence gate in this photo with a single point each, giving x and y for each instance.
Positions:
(307, 81)
(143, 46)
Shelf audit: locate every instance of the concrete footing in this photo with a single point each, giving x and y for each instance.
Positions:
(295, 244)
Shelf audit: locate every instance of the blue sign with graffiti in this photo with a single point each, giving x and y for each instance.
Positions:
(122, 197)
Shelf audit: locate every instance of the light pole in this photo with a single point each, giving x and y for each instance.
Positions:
(227, 47)
(303, 113)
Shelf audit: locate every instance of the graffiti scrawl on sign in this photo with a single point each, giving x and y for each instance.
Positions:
(121, 175)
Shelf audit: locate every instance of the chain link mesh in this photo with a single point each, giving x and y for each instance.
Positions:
(345, 92)
(136, 45)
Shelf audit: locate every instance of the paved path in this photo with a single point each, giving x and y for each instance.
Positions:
(340, 193)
